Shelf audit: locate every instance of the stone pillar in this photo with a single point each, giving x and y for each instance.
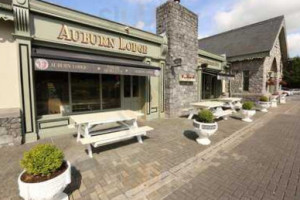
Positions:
(181, 28)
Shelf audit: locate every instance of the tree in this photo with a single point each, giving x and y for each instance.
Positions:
(292, 73)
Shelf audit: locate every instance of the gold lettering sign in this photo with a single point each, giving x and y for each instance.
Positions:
(93, 39)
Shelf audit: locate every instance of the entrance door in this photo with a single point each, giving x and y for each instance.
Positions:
(132, 93)
(211, 87)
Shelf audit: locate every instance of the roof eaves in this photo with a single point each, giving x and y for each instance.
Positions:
(249, 56)
(212, 55)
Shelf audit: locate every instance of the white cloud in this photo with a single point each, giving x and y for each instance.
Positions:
(140, 25)
(251, 11)
(293, 44)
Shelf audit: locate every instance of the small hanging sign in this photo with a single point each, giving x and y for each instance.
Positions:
(187, 77)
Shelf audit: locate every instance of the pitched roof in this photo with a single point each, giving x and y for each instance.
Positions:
(248, 40)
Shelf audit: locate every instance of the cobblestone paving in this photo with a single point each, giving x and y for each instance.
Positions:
(264, 166)
(169, 161)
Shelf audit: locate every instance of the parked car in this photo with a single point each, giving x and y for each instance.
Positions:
(288, 91)
(296, 91)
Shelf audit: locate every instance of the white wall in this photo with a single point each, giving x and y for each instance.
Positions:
(9, 74)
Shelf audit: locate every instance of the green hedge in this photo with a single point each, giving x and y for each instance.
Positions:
(264, 99)
(205, 116)
(248, 105)
(42, 159)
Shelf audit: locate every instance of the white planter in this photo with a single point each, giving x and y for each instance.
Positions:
(238, 105)
(264, 106)
(247, 114)
(47, 190)
(274, 103)
(282, 99)
(205, 130)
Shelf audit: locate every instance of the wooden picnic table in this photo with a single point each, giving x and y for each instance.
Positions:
(215, 106)
(231, 102)
(229, 99)
(127, 118)
(207, 104)
(84, 122)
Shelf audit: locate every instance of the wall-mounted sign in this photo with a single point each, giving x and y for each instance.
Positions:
(68, 66)
(177, 62)
(225, 77)
(187, 77)
(95, 39)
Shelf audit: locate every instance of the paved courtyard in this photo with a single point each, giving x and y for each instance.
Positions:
(245, 161)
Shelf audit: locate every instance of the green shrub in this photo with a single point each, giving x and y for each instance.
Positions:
(42, 159)
(264, 99)
(248, 105)
(205, 116)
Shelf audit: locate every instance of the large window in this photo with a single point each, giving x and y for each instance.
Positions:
(246, 80)
(52, 92)
(111, 91)
(131, 86)
(85, 92)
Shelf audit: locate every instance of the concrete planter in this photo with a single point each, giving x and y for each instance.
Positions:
(282, 99)
(47, 190)
(247, 114)
(263, 105)
(274, 103)
(205, 130)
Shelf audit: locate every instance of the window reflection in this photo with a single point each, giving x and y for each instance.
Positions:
(52, 92)
(127, 86)
(135, 86)
(85, 92)
(111, 96)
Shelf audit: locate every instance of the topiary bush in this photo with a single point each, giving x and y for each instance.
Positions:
(248, 105)
(205, 116)
(264, 99)
(42, 159)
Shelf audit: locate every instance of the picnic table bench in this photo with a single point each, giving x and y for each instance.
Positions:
(215, 106)
(231, 102)
(126, 118)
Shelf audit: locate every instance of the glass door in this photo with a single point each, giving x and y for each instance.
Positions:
(132, 93)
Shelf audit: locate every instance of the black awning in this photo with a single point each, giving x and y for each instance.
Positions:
(90, 58)
(42, 64)
(59, 60)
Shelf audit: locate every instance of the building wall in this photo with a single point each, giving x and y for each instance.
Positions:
(181, 28)
(256, 76)
(259, 69)
(10, 122)
(275, 56)
(9, 81)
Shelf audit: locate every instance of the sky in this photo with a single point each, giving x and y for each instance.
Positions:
(215, 16)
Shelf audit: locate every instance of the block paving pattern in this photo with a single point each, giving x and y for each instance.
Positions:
(264, 166)
(170, 164)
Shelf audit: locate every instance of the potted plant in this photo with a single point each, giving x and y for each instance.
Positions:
(205, 125)
(282, 98)
(46, 174)
(274, 99)
(247, 111)
(264, 103)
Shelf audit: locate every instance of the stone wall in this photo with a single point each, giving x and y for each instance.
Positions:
(259, 69)
(10, 127)
(256, 72)
(275, 56)
(181, 28)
